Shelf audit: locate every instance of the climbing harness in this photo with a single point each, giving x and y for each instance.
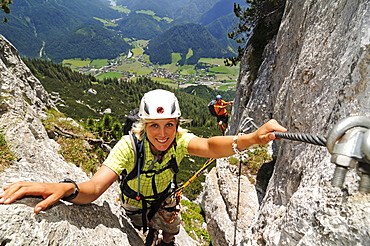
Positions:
(168, 207)
(153, 202)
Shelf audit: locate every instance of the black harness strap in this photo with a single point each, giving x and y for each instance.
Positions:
(156, 199)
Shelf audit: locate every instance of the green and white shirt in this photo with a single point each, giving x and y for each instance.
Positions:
(122, 158)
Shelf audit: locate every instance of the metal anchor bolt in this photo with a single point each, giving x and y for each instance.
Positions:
(346, 144)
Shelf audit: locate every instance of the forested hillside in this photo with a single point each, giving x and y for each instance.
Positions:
(34, 24)
(47, 29)
(192, 41)
(88, 41)
(79, 101)
(140, 26)
(183, 10)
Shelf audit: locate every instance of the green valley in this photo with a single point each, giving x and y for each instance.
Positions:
(208, 71)
(100, 29)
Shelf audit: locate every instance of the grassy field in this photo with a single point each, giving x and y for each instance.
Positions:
(175, 58)
(139, 43)
(122, 9)
(214, 61)
(217, 68)
(110, 75)
(99, 63)
(187, 70)
(147, 12)
(105, 22)
(189, 54)
(137, 51)
(165, 81)
(76, 62)
(226, 87)
(153, 14)
(220, 69)
(173, 67)
(134, 67)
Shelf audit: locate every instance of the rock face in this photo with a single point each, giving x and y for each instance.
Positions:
(316, 71)
(22, 105)
(220, 199)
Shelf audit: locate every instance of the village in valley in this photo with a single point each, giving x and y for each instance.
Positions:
(208, 71)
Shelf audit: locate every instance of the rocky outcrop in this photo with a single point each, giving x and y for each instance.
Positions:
(315, 72)
(22, 105)
(220, 202)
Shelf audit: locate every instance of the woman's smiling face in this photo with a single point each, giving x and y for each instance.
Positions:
(161, 133)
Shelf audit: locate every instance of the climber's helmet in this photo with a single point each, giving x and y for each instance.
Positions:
(159, 104)
(218, 97)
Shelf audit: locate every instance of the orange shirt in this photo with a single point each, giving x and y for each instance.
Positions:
(219, 110)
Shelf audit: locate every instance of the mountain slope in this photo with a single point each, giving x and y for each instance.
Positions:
(37, 27)
(180, 39)
(88, 41)
(140, 26)
(120, 96)
(220, 9)
(220, 27)
(193, 10)
(42, 22)
(160, 7)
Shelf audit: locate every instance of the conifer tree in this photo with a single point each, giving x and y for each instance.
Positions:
(5, 7)
(249, 20)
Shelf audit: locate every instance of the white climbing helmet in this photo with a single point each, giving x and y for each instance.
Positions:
(159, 104)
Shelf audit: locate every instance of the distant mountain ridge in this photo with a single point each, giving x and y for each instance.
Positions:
(37, 28)
(33, 25)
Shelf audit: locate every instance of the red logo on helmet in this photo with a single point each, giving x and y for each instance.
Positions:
(160, 110)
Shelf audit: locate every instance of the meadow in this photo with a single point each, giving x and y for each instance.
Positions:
(137, 64)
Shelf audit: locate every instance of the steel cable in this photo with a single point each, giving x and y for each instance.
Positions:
(316, 140)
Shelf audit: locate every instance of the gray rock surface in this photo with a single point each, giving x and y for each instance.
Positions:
(220, 199)
(22, 105)
(316, 71)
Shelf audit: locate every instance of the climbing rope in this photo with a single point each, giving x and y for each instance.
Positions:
(196, 175)
(177, 193)
(175, 210)
(238, 199)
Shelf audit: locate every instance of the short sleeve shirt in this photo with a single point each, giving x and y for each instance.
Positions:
(219, 110)
(122, 158)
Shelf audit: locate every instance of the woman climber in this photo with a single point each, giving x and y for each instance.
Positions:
(164, 144)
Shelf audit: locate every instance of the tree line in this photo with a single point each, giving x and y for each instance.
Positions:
(258, 24)
(179, 39)
(113, 99)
